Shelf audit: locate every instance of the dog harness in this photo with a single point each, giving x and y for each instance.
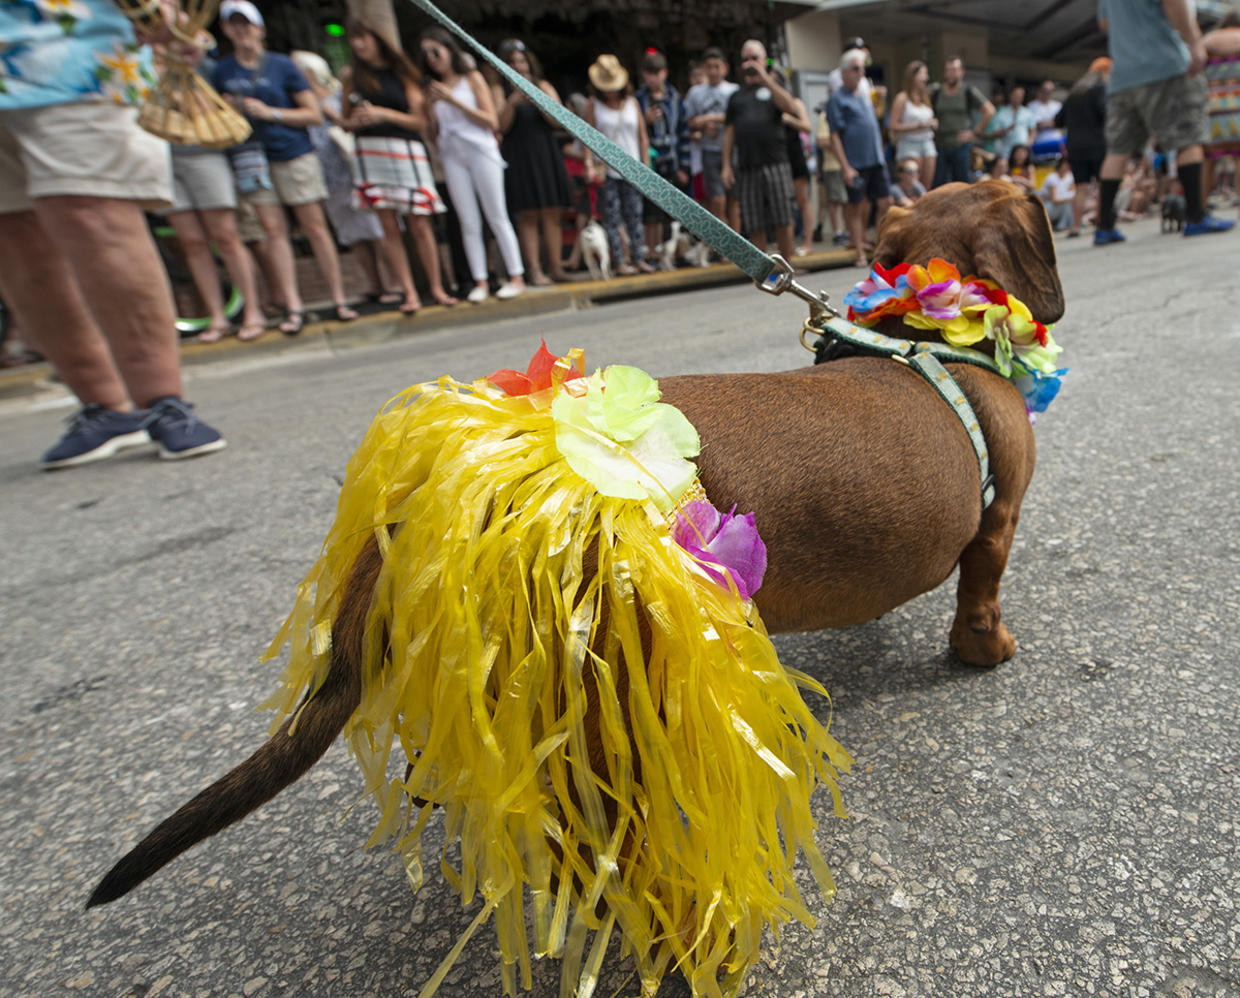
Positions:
(837, 337)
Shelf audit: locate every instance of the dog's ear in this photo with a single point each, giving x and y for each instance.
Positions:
(891, 231)
(1013, 246)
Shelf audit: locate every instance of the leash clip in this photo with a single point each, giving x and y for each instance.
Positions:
(780, 280)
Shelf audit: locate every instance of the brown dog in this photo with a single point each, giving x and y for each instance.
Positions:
(865, 486)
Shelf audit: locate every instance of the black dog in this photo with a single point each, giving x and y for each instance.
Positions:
(1174, 213)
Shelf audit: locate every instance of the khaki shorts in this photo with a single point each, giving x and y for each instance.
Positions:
(201, 181)
(1172, 110)
(90, 148)
(296, 181)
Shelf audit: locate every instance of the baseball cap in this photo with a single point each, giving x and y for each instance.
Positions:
(229, 8)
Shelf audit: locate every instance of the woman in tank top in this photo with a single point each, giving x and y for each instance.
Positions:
(614, 111)
(464, 121)
(387, 113)
(913, 122)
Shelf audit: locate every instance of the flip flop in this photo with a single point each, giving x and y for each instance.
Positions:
(409, 308)
(250, 331)
(344, 313)
(447, 301)
(213, 334)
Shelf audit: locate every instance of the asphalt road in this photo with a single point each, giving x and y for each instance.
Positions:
(1065, 824)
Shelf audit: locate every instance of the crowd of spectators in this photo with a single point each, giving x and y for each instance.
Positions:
(443, 155)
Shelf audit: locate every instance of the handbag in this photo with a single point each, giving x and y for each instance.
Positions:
(251, 171)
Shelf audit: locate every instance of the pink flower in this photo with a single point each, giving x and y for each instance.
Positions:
(726, 545)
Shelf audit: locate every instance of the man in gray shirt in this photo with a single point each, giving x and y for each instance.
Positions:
(1156, 88)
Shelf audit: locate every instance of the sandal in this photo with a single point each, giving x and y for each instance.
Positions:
(214, 333)
(344, 313)
(293, 323)
(250, 331)
(447, 301)
(645, 268)
(408, 307)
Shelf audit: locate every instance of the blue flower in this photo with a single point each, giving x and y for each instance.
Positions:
(1038, 388)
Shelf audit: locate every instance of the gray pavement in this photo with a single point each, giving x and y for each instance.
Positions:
(1065, 824)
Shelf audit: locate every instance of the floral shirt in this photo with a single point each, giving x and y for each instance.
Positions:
(64, 51)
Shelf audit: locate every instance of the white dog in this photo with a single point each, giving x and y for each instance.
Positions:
(677, 246)
(594, 251)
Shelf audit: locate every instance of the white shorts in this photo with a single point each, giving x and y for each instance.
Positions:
(88, 148)
(915, 148)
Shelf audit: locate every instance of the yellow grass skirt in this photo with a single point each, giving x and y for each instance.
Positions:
(688, 831)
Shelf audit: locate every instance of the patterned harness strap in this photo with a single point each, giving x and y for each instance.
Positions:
(924, 358)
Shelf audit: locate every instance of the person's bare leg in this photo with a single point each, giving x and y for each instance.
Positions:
(527, 236)
(784, 239)
(925, 167)
(398, 263)
(368, 257)
(553, 238)
(313, 225)
(123, 283)
(196, 245)
(801, 186)
(221, 226)
(428, 253)
(281, 270)
(855, 215)
(38, 284)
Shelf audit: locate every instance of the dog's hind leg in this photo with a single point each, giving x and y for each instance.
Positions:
(978, 634)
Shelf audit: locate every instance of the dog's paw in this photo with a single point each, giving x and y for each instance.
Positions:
(987, 647)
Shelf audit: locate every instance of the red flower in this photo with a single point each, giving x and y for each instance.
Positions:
(537, 377)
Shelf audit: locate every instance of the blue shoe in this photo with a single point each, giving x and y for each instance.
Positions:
(1104, 237)
(95, 433)
(178, 432)
(1208, 224)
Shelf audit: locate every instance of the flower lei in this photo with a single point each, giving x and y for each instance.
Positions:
(965, 311)
(614, 432)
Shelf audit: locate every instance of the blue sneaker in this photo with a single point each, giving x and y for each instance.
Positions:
(1208, 224)
(95, 433)
(178, 432)
(1104, 237)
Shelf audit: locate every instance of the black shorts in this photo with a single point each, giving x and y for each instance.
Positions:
(1085, 168)
(871, 182)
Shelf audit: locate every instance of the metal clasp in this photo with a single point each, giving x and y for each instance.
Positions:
(780, 280)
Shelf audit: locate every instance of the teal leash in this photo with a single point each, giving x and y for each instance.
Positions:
(771, 273)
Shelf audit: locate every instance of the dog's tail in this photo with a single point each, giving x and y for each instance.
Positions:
(298, 744)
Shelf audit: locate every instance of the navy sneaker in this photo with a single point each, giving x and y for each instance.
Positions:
(178, 432)
(1104, 237)
(95, 433)
(1208, 224)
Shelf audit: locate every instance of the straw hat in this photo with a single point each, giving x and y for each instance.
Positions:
(607, 74)
(378, 17)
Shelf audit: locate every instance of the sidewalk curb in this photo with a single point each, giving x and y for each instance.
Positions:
(382, 327)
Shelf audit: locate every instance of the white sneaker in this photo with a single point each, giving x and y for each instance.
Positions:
(477, 295)
(507, 290)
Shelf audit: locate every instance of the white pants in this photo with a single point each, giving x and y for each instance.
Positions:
(479, 179)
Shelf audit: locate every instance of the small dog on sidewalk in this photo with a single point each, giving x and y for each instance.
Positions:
(594, 251)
